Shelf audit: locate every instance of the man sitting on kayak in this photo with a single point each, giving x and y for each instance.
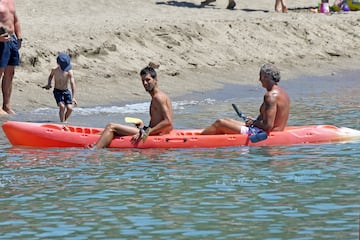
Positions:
(161, 114)
(274, 111)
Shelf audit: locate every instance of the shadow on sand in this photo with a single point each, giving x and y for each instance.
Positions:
(193, 5)
(180, 4)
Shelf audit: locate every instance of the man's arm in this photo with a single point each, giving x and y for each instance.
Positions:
(48, 86)
(17, 26)
(73, 86)
(269, 114)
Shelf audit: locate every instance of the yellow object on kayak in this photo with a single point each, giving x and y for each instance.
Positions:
(133, 120)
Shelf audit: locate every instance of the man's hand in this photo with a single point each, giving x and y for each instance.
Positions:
(47, 87)
(249, 121)
(136, 138)
(142, 134)
(4, 37)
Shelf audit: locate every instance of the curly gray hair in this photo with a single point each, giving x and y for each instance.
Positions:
(272, 71)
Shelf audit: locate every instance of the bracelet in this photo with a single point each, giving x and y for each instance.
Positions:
(142, 130)
(20, 40)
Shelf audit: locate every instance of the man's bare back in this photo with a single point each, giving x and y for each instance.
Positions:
(61, 78)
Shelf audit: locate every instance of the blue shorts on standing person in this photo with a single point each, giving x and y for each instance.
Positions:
(63, 96)
(9, 53)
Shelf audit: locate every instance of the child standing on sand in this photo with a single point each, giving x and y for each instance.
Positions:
(62, 75)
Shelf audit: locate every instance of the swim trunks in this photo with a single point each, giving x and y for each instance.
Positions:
(248, 130)
(9, 53)
(62, 96)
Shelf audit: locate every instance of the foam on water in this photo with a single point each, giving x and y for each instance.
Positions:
(125, 109)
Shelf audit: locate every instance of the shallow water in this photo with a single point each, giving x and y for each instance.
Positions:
(288, 192)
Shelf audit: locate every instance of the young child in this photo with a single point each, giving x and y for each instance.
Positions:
(62, 75)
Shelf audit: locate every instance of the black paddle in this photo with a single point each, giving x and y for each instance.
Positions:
(255, 135)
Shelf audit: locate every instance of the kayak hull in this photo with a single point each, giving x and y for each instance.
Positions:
(49, 135)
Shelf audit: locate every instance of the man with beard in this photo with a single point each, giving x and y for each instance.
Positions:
(161, 114)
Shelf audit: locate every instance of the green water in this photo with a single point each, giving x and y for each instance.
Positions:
(289, 192)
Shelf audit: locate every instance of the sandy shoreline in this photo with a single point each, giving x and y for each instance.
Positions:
(199, 49)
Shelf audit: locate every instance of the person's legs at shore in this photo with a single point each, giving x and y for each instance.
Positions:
(69, 109)
(9, 58)
(61, 111)
(2, 112)
(231, 5)
(283, 6)
(6, 87)
(280, 6)
(113, 129)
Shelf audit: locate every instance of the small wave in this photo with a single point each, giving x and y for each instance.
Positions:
(126, 109)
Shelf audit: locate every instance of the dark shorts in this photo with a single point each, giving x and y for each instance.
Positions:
(9, 53)
(63, 96)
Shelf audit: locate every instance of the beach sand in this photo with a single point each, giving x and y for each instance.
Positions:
(198, 49)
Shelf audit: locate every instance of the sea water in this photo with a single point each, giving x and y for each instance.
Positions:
(283, 192)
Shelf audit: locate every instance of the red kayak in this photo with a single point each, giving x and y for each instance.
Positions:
(46, 135)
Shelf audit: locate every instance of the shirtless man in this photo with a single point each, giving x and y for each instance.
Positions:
(274, 111)
(161, 114)
(63, 74)
(10, 43)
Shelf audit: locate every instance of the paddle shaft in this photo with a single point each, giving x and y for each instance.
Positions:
(239, 113)
(254, 136)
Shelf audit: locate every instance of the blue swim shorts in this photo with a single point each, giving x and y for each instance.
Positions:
(9, 53)
(248, 130)
(63, 96)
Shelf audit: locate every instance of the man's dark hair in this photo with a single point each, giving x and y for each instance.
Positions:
(147, 70)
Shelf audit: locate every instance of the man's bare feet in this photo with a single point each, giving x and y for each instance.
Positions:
(66, 128)
(8, 110)
(206, 2)
(2, 112)
(231, 5)
(284, 9)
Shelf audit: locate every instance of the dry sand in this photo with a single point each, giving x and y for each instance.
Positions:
(198, 49)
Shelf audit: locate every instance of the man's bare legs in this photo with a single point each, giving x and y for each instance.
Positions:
(109, 132)
(6, 86)
(231, 5)
(62, 111)
(223, 126)
(280, 5)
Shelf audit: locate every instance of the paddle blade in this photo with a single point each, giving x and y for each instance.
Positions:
(133, 120)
